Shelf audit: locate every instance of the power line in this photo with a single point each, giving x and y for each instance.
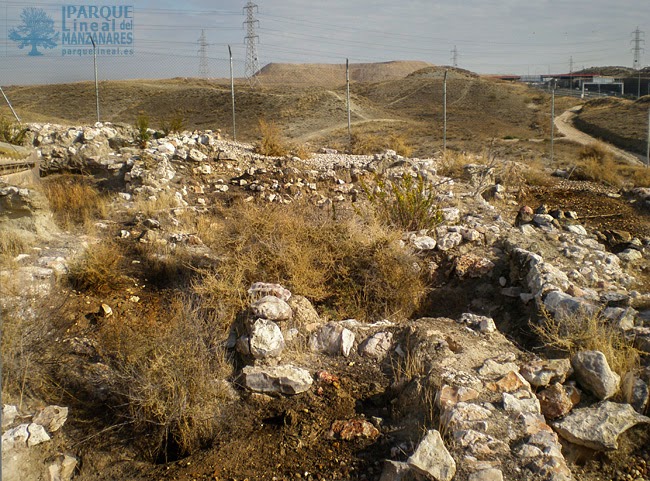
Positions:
(251, 39)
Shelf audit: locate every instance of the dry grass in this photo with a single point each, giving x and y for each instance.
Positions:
(74, 200)
(271, 142)
(11, 132)
(453, 163)
(171, 379)
(580, 332)
(595, 163)
(97, 269)
(348, 267)
(367, 144)
(12, 243)
(162, 201)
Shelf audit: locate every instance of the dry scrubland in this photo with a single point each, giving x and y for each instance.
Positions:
(163, 388)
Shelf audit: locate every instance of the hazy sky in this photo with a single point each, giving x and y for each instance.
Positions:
(509, 36)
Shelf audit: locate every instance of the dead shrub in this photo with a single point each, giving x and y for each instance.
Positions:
(12, 243)
(571, 333)
(367, 144)
(407, 203)
(74, 200)
(453, 163)
(172, 380)
(301, 151)
(596, 164)
(347, 267)
(271, 141)
(11, 132)
(97, 269)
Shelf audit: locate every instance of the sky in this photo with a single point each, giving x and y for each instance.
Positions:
(491, 37)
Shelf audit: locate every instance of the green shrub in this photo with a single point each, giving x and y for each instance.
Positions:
(142, 130)
(12, 133)
(407, 203)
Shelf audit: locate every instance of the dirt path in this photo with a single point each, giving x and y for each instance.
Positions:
(564, 125)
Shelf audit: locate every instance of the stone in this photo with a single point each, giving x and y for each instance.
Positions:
(52, 418)
(196, 155)
(576, 229)
(449, 241)
(621, 317)
(272, 308)
(353, 429)
(599, 426)
(24, 435)
(594, 374)
(636, 392)
(265, 339)
(554, 401)
(493, 369)
(304, 314)
(63, 468)
(540, 373)
(562, 304)
(490, 474)
(521, 402)
(424, 242)
(630, 256)
(448, 396)
(261, 289)
(377, 345)
(9, 415)
(473, 266)
(284, 379)
(105, 310)
(533, 423)
(432, 459)
(394, 471)
(464, 415)
(333, 339)
(513, 381)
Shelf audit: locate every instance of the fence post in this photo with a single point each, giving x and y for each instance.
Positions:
(232, 94)
(347, 87)
(444, 113)
(647, 152)
(552, 118)
(96, 83)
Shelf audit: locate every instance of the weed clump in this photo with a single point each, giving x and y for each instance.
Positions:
(271, 142)
(12, 133)
(348, 267)
(596, 164)
(408, 203)
(142, 135)
(74, 200)
(173, 124)
(366, 144)
(97, 269)
(571, 333)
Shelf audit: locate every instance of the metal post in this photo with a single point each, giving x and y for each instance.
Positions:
(232, 93)
(552, 118)
(9, 104)
(347, 87)
(96, 83)
(647, 152)
(444, 113)
(638, 93)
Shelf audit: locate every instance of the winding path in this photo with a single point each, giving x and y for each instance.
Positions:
(564, 125)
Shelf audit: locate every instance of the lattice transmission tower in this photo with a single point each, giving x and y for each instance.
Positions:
(454, 57)
(204, 68)
(637, 49)
(251, 39)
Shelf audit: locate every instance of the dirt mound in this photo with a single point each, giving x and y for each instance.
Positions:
(617, 121)
(334, 74)
(611, 71)
(439, 72)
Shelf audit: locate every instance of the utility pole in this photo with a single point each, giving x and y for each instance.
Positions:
(647, 152)
(251, 40)
(204, 70)
(571, 72)
(10, 106)
(454, 57)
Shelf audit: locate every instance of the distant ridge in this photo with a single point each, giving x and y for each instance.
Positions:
(334, 74)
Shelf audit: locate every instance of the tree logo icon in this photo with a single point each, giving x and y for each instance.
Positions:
(36, 30)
